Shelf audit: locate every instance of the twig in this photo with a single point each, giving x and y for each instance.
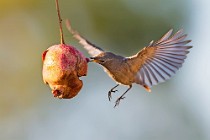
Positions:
(60, 22)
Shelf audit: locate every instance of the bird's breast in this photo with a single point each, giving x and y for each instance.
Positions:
(120, 73)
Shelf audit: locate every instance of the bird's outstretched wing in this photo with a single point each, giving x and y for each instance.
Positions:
(160, 60)
(92, 49)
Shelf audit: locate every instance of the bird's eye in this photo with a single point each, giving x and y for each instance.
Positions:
(102, 61)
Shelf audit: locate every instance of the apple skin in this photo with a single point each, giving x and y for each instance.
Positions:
(62, 67)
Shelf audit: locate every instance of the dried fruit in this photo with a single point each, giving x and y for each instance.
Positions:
(62, 67)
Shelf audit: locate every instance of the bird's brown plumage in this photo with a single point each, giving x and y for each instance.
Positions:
(160, 60)
(154, 64)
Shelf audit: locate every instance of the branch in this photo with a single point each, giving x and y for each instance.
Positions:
(60, 22)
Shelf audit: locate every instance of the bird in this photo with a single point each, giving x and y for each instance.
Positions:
(154, 64)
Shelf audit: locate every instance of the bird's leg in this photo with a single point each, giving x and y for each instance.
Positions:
(122, 96)
(112, 90)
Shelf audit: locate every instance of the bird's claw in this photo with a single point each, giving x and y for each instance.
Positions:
(110, 94)
(117, 102)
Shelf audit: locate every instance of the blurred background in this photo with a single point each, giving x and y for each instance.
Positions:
(176, 110)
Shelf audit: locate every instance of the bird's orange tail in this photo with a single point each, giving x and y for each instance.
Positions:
(147, 88)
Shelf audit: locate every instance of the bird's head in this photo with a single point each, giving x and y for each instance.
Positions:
(103, 58)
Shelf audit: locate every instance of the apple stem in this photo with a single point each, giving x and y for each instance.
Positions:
(60, 22)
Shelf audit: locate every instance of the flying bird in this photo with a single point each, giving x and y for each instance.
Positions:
(154, 64)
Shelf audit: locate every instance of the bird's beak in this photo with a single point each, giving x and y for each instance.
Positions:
(94, 59)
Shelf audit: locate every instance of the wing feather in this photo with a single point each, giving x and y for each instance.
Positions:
(153, 76)
(92, 49)
(166, 36)
(160, 60)
(147, 75)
